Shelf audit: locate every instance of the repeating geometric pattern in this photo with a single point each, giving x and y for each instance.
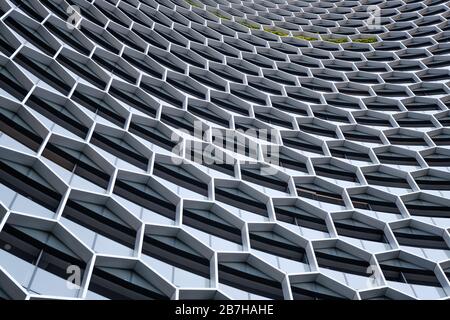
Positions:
(336, 183)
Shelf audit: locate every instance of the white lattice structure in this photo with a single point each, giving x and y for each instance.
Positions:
(199, 149)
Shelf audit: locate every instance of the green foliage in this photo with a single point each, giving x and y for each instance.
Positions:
(366, 40)
(192, 3)
(305, 38)
(336, 40)
(250, 25)
(333, 40)
(277, 32)
(219, 15)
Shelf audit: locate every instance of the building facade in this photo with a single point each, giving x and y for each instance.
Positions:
(224, 149)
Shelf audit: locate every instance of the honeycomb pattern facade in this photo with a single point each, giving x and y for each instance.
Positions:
(332, 117)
